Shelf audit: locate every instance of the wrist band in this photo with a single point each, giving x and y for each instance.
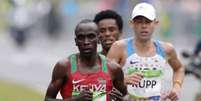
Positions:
(178, 83)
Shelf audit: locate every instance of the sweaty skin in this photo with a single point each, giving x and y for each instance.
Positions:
(86, 39)
(109, 33)
(144, 47)
(110, 25)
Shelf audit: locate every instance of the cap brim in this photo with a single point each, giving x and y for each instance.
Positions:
(144, 15)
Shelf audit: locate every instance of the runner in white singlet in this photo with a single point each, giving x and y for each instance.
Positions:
(144, 59)
(152, 69)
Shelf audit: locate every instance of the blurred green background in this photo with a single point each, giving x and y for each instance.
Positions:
(10, 91)
(35, 34)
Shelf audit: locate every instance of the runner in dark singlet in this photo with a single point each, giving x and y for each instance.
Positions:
(86, 76)
(110, 25)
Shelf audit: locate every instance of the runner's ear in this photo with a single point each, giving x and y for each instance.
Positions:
(130, 23)
(156, 22)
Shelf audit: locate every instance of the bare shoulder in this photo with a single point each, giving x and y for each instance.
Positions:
(118, 51)
(63, 63)
(168, 47)
(119, 44)
(60, 68)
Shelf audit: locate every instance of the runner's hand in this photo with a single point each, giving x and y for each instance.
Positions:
(172, 94)
(116, 95)
(134, 78)
(85, 95)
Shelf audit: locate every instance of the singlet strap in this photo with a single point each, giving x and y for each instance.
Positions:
(130, 49)
(73, 61)
(159, 49)
(104, 63)
(129, 45)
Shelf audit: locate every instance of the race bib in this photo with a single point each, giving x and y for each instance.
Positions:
(149, 86)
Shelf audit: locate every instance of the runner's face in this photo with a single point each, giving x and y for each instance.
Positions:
(143, 27)
(87, 38)
(109, 32)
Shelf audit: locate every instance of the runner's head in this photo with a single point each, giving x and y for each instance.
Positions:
(110, 25)
(86, 37)
(143, 20)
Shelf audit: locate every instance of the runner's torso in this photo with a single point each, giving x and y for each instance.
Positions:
(99, 83)
(152, 67)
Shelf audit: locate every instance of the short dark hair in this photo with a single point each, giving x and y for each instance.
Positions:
(109, 14)
(83, 21)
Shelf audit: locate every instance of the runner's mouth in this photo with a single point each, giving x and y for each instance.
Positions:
(108, 41)
(144, 33)
(87, 51)
(87, 48)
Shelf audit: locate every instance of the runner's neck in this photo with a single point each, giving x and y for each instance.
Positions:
(88, 62)
(144, 45)
(144, 48)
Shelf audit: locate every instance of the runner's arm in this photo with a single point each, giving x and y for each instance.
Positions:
(118, 78)
(58, 78)
(116, 52)
(178, 68)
